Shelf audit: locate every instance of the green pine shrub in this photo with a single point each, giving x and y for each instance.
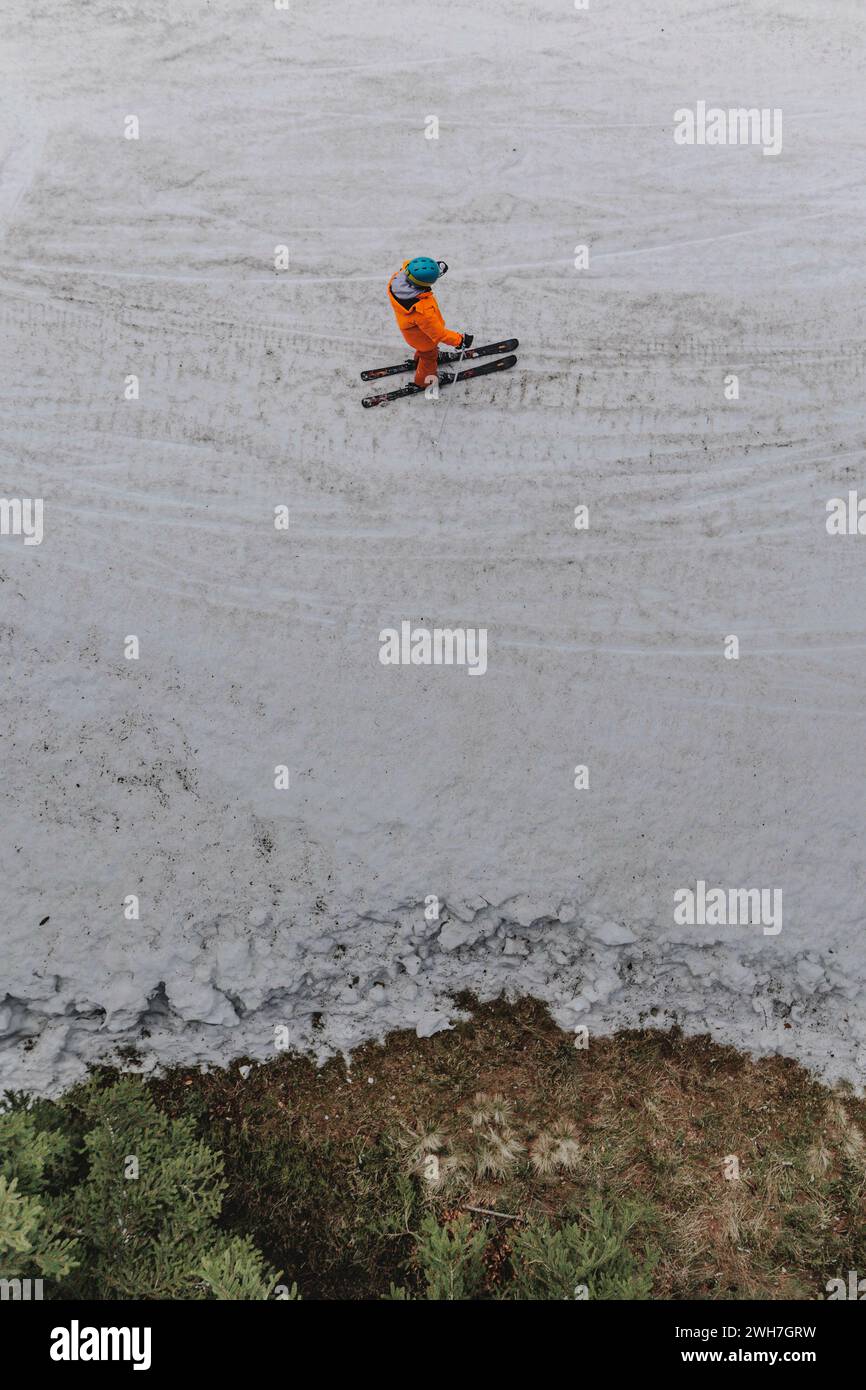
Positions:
(32, 1242)
(590, 1258)
(451, 1257)
(139, 1220)
(591, 1254)
(234, 1272)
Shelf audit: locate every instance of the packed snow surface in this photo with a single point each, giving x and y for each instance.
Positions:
(153, 776)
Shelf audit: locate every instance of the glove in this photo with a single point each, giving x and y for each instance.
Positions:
(466, 341)
(442, 267)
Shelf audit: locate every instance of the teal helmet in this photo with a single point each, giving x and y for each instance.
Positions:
(423, 271)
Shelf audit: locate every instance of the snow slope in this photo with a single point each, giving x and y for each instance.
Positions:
(258, 648)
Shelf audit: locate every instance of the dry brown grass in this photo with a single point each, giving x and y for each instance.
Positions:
(523, 1122)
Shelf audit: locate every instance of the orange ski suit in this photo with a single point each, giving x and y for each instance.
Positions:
(420, 322)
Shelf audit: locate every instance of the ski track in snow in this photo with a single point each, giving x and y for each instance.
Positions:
(155, 777)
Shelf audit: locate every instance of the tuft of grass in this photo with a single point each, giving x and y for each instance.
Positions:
(556, 1149)
(488, 1111)
(498, 1154)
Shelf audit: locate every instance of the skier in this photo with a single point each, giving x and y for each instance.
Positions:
(418, 316)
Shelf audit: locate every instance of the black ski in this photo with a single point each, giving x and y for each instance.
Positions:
(488, 350)
(446, 379)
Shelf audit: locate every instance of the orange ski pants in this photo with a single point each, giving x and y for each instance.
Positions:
(427, 364)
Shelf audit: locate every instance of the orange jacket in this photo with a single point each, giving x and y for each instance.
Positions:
(417, 314)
